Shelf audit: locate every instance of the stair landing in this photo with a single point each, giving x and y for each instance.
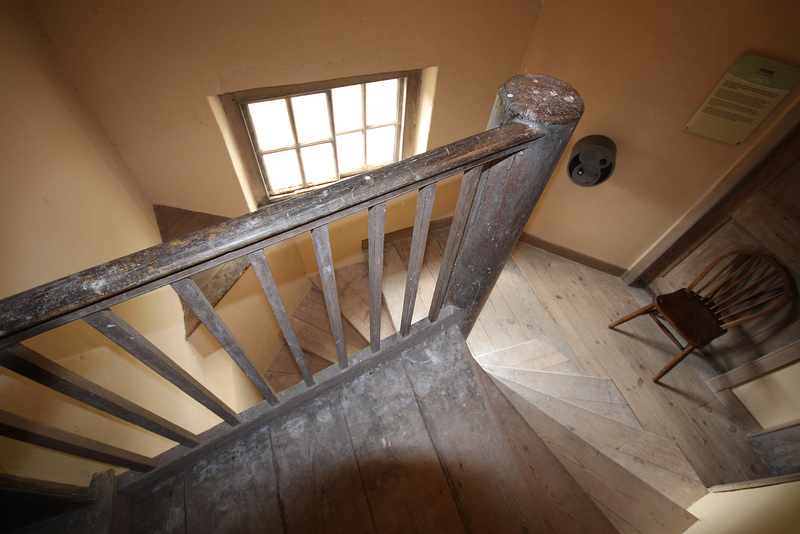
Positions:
(409, 446)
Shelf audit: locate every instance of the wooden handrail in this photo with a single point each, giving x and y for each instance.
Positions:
(508, 167)
(91, 290)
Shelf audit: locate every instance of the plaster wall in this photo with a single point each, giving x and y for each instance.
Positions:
(68, 202)
(770, 509)
(643, 69)
(147, 68)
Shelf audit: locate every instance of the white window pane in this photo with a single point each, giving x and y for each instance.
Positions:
(381, 102)
(348, 113)
(380, 145)
(350, 151)
(283, 170)
(271, 123)
(318, 163)
(311, 117)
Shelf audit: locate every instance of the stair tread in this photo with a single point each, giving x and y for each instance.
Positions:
(657, 461)
(631, 504)
(563, 385)
(312, 327)
(395, 273)
(594, 400)
(535, 355)
(352, 285)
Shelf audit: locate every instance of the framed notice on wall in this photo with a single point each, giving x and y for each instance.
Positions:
(751, 88)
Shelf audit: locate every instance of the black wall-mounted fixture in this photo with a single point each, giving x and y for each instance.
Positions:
(592, 161)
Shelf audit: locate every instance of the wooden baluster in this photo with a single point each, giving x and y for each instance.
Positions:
(322, 248)
(419, 238)
(377, 230)
(117, 330)
(21, 429)
(34, 366)
(267, 281)
(198, 303)
(469, 185)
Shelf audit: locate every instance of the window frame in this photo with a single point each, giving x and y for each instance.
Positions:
(235, 104)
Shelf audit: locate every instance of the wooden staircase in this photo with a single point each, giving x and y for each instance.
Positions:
(639, 481)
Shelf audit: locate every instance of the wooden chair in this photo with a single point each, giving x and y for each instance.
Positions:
(736, 287)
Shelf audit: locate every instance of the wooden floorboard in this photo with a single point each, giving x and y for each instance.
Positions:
(655, 460)
(318, 483)
(403, 480)
(682, 408)
(410, 446)
(635, 506)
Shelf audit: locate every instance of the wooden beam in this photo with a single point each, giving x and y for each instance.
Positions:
(32, 365)
(45, 488)
(120, 332)
(21, 429)
(469, 185)
(422, 220)
(270, 288)
(194, 298)
(377, 227)
(322, 249)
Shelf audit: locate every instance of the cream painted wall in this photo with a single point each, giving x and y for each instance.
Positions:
(57, 171)
(68, 202)
(771, 509)
(643, 68)
(773, 399)
(146, 69)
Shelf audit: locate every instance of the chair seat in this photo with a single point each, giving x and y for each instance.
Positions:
(687, 314)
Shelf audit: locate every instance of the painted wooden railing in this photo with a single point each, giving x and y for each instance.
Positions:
(506, 169)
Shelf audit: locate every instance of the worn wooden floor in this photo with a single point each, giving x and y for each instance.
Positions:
(566, 306)
(569, 306)
(411, 446)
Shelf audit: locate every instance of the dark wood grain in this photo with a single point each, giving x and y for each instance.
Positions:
(318, 480)
(469, 186)
(403, 480)
(510, 188)
(322, 248)
(45, 488)
(419, 238)
(487, 482)
(120, 332)
(377, 229)
(194, 298)
(32, 365)
(267, 281)
(56, 299)
(22, 429)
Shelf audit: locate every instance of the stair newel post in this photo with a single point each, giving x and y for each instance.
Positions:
(508, 190)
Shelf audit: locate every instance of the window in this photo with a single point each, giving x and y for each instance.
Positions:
(295, 138)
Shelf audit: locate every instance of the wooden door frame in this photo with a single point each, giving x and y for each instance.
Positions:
(712, 210)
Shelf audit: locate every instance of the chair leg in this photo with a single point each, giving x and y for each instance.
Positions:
(667, 368)
(650, 308)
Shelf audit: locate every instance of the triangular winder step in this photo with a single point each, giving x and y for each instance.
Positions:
(630, 504)
(535, 355)
(599, 395)
(657, 461)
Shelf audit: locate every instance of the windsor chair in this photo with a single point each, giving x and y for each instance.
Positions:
(736, 287)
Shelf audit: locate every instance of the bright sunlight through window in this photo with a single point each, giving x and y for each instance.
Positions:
(306, 140)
